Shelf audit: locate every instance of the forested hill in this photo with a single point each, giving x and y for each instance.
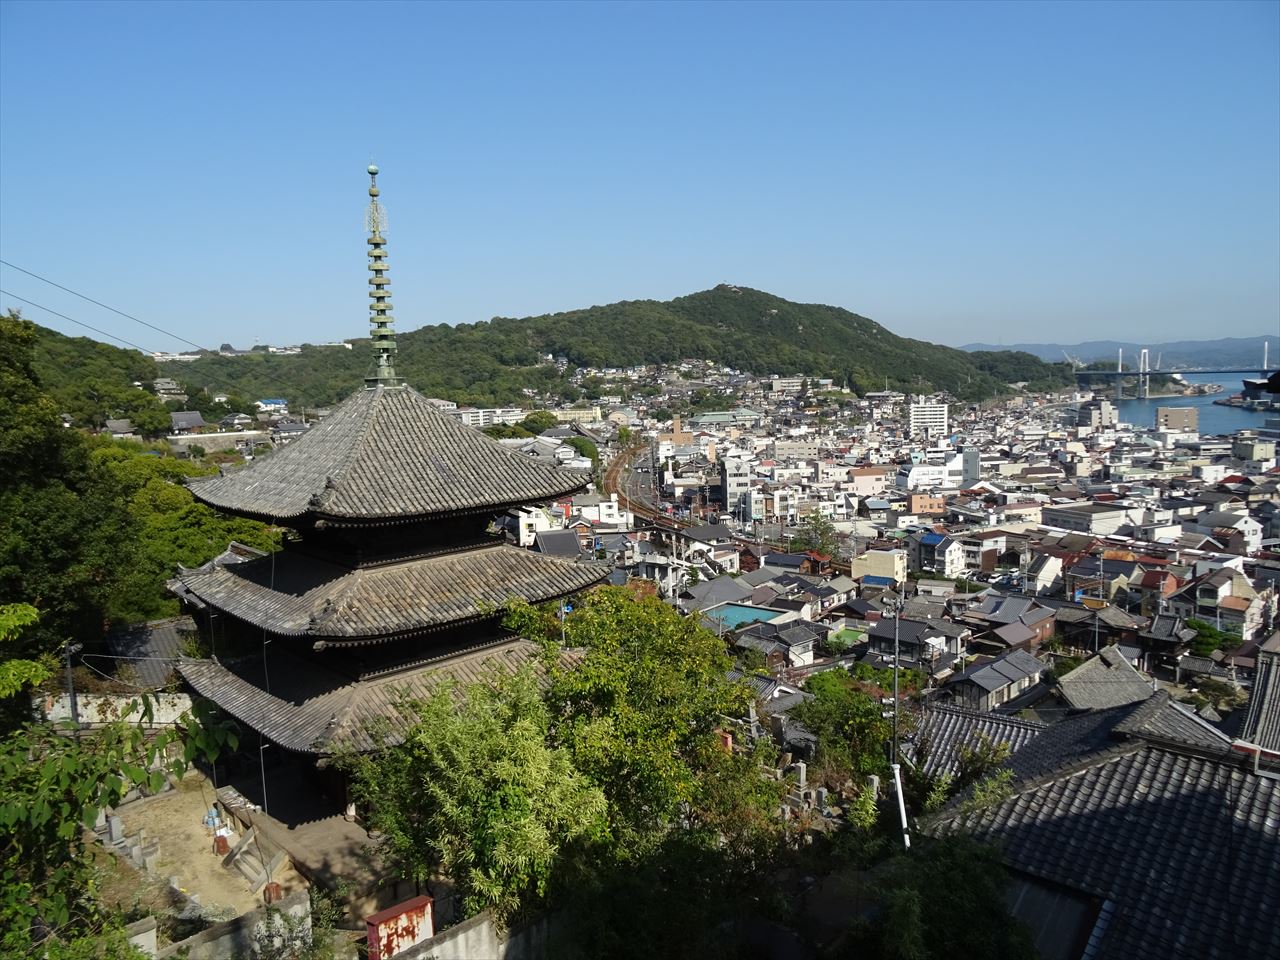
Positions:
(492, 361)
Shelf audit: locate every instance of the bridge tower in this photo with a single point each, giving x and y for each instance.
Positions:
(1144, 374)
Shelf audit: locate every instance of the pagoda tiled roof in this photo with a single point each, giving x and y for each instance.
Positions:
(386, 454)
(359, 715)
(297, 594)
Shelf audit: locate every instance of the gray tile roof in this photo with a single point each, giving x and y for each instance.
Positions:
(340, 717)
(1105, 680)
(1184, 845)
(1262, 722)
(557, 543)
(293, 593)
(386, 453)
(152, 648)
(1009, 668)
(947, 729)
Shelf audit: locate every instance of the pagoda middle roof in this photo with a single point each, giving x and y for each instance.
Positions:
(296, 594)
(386, 454)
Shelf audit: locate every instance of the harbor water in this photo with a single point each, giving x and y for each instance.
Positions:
(1213, 419)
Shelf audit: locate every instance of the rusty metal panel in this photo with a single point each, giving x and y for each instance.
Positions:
(398, 928)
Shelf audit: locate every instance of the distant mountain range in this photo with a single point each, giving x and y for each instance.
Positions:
(1173, 355)
(496, 361)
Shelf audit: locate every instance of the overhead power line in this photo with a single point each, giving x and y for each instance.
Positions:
(210, 381)
(38, 306)
(76, 293)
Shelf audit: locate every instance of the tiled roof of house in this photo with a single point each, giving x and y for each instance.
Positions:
(386, 454)
(945, 730)
(1180, 838)
(1105, 680)
(294, 593)
(1262, 722)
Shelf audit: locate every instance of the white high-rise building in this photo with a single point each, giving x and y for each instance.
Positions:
(927, 419)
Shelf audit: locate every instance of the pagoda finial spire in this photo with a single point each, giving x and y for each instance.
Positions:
(382, 324)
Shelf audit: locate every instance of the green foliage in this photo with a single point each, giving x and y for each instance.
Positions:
(540, 421)
(840, 641)
(816, 533)
(1064, 665)
(94, 382)
(942, 899)
(978, 759)
(586, 449)
(993, 789)
(750, 660)
(641, 709)
(909, 680)
(16, 673)
(1209, 638)
(51, 786)
(492, 362)
(64, 530)
(93, 528)
(286, 937)
(847, 721)
(503, 431)
(167, 527)
(1015, 366)
(476, 792)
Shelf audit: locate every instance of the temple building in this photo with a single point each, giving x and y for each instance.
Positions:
(388, 577)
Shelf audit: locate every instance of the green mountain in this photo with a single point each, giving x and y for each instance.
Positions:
(493, 361)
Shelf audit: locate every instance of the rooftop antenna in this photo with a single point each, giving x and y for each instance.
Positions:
(381, 322)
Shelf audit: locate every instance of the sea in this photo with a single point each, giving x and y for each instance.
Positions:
(1213, 419)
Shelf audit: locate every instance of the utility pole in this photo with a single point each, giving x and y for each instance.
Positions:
(1097, 614)
(72, 649)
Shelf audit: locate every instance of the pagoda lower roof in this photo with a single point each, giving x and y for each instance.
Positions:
(296, 594)
(386, 455)
(359, 715)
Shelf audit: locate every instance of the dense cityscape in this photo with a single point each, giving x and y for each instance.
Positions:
(723, 624)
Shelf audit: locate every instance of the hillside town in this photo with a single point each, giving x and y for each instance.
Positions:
(919, 618)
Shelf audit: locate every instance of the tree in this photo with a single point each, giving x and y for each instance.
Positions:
(641, 708)
(848, 723)
(942, 898)
(65, 532)
(818, 534)
(585, 448)
(539, 421)
(16, 673)
(476, 791)
(978, 759)
(1210, 638)
(51, 787)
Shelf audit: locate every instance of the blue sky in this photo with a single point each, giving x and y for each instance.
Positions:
(955, 171)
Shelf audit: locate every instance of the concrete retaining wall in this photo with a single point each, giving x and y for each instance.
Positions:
(100, 708)
(480, 937)
(237, 939)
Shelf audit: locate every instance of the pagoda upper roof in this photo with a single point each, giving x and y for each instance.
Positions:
(297, 594)
(386, 454)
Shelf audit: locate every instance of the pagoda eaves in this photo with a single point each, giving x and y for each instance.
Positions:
(386, 455)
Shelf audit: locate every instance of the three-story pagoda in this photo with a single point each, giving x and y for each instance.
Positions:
(389, 577)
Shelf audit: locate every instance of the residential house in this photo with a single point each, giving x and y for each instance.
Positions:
(1087, 831)
(989, 683)
(890, 565)
(186, 421)
(920, 644)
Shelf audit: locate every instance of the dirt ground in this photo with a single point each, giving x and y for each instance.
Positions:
(176, 821)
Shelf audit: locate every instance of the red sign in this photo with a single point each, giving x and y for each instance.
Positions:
(398, 928)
